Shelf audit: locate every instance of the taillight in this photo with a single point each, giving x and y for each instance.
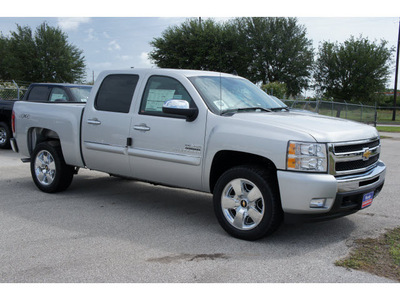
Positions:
(13, 122)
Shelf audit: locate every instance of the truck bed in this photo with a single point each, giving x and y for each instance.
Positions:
(64, 121)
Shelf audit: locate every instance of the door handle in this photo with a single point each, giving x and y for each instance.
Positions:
(93, 121)
(141, 127)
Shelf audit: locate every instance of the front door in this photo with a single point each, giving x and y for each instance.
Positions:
(166, 148)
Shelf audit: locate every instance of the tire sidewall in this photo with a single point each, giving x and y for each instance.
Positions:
(60, 167)
(268, 223)
(6, 144)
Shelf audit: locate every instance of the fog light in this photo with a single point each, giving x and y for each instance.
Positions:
(317, 203)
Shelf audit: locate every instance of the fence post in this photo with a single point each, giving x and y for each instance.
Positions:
(317, 108)
(17, 89)
(361, 111)
(375, 116)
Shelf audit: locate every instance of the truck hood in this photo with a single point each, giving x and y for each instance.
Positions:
(322, 128)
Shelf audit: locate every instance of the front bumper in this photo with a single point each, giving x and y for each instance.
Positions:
(343, 195)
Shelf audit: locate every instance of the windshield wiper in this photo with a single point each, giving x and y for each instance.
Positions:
(280, 108)
(236, 110)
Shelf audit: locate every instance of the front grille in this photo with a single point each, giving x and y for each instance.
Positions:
(356, 164)
(356, 147)
(353, 157)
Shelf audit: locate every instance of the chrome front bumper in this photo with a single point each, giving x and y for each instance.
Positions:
(373, 177)
(298, 189)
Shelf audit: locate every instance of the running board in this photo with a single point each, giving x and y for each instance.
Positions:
(26, 160)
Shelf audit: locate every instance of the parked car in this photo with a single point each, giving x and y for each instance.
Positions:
(6, 107)
(211, 132)
(57, 92)
(40, 92)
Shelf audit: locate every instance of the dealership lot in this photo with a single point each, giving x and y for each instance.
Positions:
(107, 229)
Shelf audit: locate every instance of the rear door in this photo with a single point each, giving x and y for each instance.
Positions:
(106, 124)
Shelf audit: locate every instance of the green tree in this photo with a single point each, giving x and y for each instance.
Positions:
(354, 70)
(4, 58)
(42, 56)
(260, 49)
(277, 89)
(277, 50)
(205, 45)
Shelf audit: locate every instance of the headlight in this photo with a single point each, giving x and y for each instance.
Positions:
(311, 157)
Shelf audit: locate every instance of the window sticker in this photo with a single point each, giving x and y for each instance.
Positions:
(221, 104)
(156, 99)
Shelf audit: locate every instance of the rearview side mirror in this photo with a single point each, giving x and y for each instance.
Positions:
(181, 108)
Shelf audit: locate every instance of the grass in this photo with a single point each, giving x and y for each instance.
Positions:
(380, 256)
(386, 115)
(388, 128)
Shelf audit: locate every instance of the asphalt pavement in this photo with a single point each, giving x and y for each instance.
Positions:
(107, 229)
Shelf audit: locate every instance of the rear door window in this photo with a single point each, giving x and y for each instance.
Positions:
(116, 93)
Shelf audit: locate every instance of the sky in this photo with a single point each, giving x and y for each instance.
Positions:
(118, 35)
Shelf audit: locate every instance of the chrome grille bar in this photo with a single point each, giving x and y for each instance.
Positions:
(353, 157)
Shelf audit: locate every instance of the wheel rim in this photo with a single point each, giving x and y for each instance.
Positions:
(242, 204)
(3, 136)
(45, 167)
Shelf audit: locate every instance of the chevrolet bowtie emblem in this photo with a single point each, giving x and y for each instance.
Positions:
(367, 153)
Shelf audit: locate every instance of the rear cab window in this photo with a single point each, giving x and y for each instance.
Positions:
(39, 93)
(58, 95)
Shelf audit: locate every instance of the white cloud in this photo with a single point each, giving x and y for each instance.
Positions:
(72, 23)
(101, 65)
(144, 60)
(113, 45)
(91, 36)
(125, 57)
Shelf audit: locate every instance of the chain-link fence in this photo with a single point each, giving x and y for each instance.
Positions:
(12, 90)
(385, 114)
(350, 111)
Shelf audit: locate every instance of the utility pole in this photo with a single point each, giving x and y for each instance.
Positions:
(396, 76)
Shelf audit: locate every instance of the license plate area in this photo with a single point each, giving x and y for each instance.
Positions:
(367, 199)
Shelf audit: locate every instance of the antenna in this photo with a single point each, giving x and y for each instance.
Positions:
(220, 76)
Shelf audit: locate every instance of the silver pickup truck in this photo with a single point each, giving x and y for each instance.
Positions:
(210, 132)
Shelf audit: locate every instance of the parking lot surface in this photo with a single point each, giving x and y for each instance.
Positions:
(107, 229)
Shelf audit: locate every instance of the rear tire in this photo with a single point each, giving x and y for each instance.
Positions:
(5, 135)
(49, 171)
(246, 203)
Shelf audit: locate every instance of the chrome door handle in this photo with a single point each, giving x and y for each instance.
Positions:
(141, 127)
(93, 121)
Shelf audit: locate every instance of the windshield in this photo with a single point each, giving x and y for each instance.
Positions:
(81, 93)
(225, 94)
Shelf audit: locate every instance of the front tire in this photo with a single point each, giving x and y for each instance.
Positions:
(49, 171)
(246, 203)
(5, 135)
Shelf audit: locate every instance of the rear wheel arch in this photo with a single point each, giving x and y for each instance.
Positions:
(38, 135)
